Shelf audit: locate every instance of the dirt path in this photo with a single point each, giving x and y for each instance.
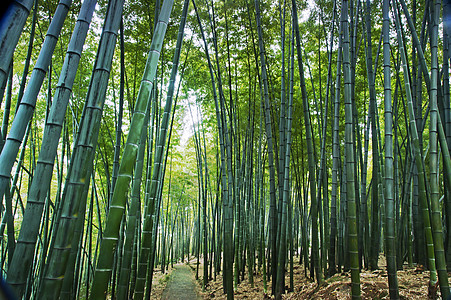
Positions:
(181, 286)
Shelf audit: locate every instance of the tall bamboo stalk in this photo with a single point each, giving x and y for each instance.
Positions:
(11, 27)
(415, 143)
(25, 109)
(436, 219)
(226, 172)
(118, 201)
(272, 186)
(350, 161)
(389, 172)
(82, 160)
(310, 153)
(19, 268)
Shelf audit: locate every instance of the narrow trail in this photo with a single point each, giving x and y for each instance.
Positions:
(181, 285)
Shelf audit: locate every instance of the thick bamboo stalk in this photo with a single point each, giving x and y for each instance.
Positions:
(436, 220)
(350, 161)
(25, 109)
(11, 27)
(80, 170)
(415, 143)
(118, 201)
(389, 172)
(19, 268)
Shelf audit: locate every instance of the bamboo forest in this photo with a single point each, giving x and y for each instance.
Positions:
(248, 149)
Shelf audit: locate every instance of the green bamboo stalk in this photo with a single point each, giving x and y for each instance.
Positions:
(417, 44)
(280, 286)
(118, 201)
(272, 187)
(117, 145)
(8, 217)
(7, 108)
(154, 195)
(27, 62)
(19, 268)
(226, 164)
(25, 109)
(310, 153)
(322, 177)
(133, 212)
(350, 161)
(447, 121)
(375, 200)
(11, 27)
(68, 287)
(389, 172)
(415, 143)
(261, 203)
(282, 118)
(335, 160)
(80, 169)
(445, 151)
(436, 220)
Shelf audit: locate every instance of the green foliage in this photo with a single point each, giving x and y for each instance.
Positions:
(240, 69)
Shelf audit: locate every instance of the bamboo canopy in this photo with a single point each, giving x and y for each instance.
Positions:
(246, 138)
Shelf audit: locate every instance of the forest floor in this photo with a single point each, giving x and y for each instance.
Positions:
(412, 281)
(413, 284)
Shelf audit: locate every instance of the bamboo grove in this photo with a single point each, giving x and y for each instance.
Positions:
(248, 136)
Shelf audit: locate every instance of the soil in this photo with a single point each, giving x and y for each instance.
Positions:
(181, 285)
